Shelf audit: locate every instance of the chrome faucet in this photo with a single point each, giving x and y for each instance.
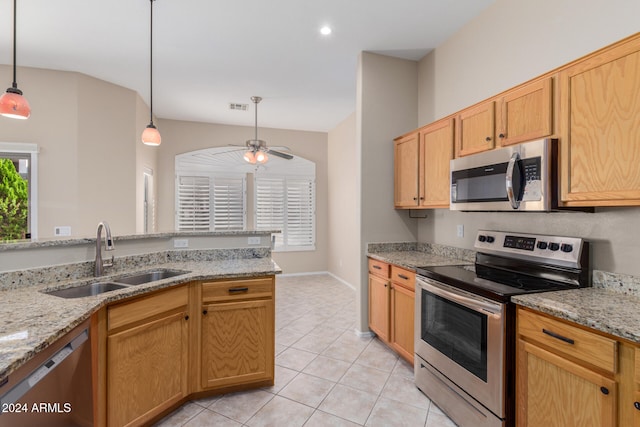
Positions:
(108, 246)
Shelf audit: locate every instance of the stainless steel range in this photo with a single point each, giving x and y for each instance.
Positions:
(465, 322)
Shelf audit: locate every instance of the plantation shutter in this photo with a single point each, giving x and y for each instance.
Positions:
(193, 204)
(270, 206)
(300, 212)
(228, 203)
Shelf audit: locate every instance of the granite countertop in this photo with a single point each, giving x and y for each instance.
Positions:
(413, 259)
(602, 309)
(30, 320)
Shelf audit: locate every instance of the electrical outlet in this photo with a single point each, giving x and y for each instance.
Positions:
(62, 231)
(460, 230)
(254, 240)
(181, 243)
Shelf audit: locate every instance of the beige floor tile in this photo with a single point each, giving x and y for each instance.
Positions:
(342, 351)
(327, 368)
(403, 390)
(307, 389)
(295, 359)
(327, 331)
(281, 412)
(181, 415)
(322, 419)
(365, 378)
(389, 413)
(282, 377)
(439, 420)
(287, 337)
(379, 356)
(313, 343)
(209, 418)
(403, 368)
(349, 403)
(242, 405)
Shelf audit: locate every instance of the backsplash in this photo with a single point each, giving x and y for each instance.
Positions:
(621, 283)
(59, 273)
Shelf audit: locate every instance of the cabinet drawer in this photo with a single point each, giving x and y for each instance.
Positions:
(569, 340)
(405, 278)
(231, 290)
(145, 308)
(379, 268)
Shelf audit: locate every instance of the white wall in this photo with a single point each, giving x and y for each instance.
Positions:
(181, 137)
(511, 42)
(386, 107)
(343, 221)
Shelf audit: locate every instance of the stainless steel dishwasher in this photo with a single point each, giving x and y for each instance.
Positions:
(53, 389)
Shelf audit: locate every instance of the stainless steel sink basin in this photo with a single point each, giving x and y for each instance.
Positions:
(87, 290)
(148, 276)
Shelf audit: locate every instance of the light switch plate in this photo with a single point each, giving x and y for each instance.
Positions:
(254, 240)
(64, 230)
(460, 230)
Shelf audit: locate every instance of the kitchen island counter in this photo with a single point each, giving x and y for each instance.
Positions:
(31, 320)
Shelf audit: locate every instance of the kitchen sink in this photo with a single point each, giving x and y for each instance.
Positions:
(87, 290)
(148, 276)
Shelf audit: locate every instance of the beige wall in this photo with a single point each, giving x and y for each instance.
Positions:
(484, 59)
(344, 220)
(181, 137)
(85, 129)
(386, 107)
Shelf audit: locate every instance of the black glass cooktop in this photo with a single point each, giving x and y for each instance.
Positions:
(494, 283)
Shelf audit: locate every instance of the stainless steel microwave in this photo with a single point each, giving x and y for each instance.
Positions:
(522, 177)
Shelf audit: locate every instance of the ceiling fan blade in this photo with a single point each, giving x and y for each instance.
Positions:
(279, 154)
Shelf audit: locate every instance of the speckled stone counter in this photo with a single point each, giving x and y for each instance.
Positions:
(412, 255)
(31, 320)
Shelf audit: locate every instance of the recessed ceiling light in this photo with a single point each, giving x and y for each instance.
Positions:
(325, 31)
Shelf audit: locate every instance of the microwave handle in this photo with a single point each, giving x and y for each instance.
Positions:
(513, 199)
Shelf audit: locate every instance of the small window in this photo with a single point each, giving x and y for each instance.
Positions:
(18, 178)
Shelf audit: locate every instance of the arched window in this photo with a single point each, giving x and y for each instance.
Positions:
(217, 190)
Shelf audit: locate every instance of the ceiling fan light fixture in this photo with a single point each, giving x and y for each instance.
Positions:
(261, 157)
(12, 103)
(249, 157)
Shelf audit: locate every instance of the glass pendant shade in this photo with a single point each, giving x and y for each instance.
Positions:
(14, 105)
(151, 135)
(250, 157)
(261, 157)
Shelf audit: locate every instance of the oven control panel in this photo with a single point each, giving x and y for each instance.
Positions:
(539, 247)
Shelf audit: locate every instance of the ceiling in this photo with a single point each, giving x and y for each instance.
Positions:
(208, 53)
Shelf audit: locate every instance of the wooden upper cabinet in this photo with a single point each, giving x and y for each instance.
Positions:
(436, 151)
(406, 152)
(600, 122)
(475, 130)
(526, 113)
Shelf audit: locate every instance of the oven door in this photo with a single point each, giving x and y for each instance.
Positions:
(462, 335)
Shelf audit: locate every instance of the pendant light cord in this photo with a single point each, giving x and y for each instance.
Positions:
(14, 84)
(150, 66)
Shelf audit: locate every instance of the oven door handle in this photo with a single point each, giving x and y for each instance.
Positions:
(475, 304)
(512, 195)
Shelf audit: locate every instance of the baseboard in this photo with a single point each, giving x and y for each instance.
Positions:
(367, 334)
(344, 282)
(316, 273)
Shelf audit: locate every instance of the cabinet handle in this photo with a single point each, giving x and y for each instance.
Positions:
(385, 285)
(604, 390)
(559, 337)
(238, 290)
(488, 139)
(377, 267)
(204, 311)
(415, 199)
(186, 317)
(637, 405)
(501, 136)
(403, 277)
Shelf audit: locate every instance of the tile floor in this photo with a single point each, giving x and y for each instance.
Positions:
(325, 374)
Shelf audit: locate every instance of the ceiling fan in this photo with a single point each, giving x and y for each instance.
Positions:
(257, 149)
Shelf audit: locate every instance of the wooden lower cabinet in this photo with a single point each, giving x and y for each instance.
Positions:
(391, 306)
(570, 375)
(147, 357)
(237, 333)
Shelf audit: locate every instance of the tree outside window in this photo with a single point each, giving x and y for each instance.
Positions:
(14, 202)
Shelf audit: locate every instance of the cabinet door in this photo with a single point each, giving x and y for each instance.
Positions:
(379, 306)
(436, 151)
(402, 315)
(237, 343)
(147, 369)
(600, 143)
(475, 129)
(555, 392)
(526, 113)
(406, 150)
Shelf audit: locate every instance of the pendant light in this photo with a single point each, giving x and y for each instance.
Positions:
(12, 103)
(151, 135)
(257, 147)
